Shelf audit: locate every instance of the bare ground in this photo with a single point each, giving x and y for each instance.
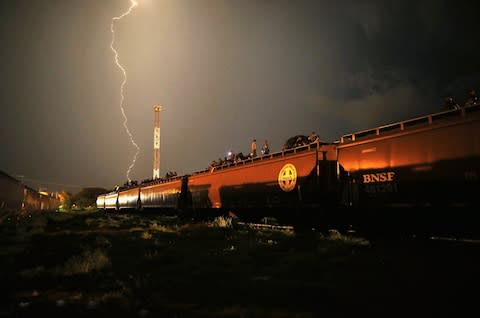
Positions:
(95, 264)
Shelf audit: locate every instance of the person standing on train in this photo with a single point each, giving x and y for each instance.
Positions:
(472, 98)
(450, 103)
(265, 148)
(313, 137)
(253, 148)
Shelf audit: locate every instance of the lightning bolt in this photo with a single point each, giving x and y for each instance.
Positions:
(133, 4)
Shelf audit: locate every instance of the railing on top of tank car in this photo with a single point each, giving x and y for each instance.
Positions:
(310, 146)
(410, 123)
(282, 153)
(158, 181)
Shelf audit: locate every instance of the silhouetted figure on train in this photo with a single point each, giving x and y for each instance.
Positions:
(265, 148)
(170, 174)
(472, 98)
(241, 156)
(313, 137)
(296, 141)
(450, 103)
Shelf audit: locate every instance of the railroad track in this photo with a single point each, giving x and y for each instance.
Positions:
(353, 232)
(266, 226)
(455, 239)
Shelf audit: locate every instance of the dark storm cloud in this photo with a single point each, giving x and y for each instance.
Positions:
(226, 72)
(421, 41)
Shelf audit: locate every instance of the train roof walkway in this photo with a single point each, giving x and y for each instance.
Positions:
(413, 123)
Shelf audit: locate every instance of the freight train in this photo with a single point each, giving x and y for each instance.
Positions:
(18, 198)
(417, 173)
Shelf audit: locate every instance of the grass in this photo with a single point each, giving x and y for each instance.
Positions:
(97, 264)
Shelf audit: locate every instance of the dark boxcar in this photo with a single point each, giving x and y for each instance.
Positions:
(431, 160)
(31, 200)
(16, 197)
(11, 193)
(48, 201)
(302, 178)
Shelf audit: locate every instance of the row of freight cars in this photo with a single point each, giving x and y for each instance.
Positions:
(432, 161)
(17, 197)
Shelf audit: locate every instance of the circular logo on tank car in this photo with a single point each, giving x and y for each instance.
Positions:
(287, 177)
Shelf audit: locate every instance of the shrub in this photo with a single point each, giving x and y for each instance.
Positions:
(146, 235)
(222, 222)
(88, 261)
(161, 228)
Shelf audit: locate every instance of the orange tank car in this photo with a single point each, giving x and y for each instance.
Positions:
(425, 161)
(304, 177)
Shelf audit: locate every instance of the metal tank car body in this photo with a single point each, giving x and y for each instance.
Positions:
(129, 198)
(426, 161)
(111, 201)
(299, 178)
(304, 177)
(101, 201)
(161, 194)
(417, 176)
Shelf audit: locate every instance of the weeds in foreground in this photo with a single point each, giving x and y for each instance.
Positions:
(88, 261)
(334, 235)
(146, 235)
(162, 228)
(221, 222)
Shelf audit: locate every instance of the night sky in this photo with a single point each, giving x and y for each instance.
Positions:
(226, 71)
